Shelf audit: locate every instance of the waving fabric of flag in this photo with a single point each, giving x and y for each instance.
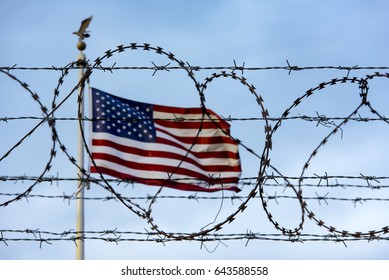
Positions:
(180, 148)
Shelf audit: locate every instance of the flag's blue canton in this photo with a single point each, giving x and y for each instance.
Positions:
(123, 118)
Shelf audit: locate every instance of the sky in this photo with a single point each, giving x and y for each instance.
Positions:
(206, 34)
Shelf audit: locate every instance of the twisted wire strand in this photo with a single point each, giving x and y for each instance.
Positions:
(155, 68)
(117, 236)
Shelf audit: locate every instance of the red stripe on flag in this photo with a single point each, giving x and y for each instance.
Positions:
(176, 184)
(168, 169)
(193, 124)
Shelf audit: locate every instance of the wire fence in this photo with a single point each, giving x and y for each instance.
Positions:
(262, 187)
(154, 68)
(115, 236)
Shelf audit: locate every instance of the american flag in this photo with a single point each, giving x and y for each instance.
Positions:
(180, 148)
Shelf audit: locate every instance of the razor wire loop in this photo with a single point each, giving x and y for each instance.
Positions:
(200, 88)
(85, 173)
(264, 158)
(46, 115)
(370, 77)
(243, 205)
(97, 62)
(363, 85)
(298, 190)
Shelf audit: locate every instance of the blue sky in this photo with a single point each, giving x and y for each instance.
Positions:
(204, 33)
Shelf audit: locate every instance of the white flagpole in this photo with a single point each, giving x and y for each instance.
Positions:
(80, 214)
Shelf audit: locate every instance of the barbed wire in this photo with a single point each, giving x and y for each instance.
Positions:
(295, 184)
(116, 236)
(319, 119)
(197, 198)
(155, 68)
(243, 181)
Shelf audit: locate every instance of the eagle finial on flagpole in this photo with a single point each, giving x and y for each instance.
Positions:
(82, 33)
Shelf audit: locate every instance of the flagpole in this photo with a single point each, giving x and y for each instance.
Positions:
(80, 213)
